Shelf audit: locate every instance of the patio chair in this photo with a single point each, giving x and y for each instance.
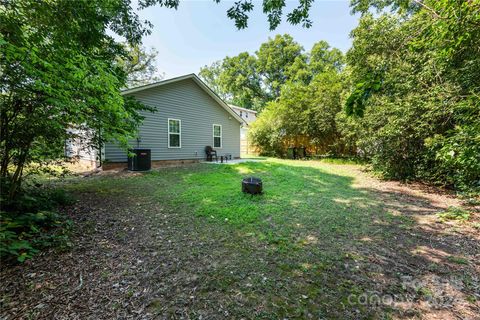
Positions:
(301, 153)
(211, 153)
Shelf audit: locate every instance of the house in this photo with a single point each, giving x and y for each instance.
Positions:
(248, 117)
(189, 116)
(78, 149)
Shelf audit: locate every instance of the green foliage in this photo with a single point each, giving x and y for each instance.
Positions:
(403, 6)
(37, 198)
(238, 13)
(298, 93)
(240, 10)
(273, 9)
(140, 66)
(456, 156)
(355, 103)
(303, 115)
(210, 74)
(454, 213)
(322, 58)
(60, 70)
(31, 224)
(251, 81)
(236, 80)
(240, 79)
(273, 61)
(415, 90)
(266, 133)
(457, 260)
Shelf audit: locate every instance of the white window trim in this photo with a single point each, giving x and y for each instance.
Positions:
(214, 136)
(179, 133)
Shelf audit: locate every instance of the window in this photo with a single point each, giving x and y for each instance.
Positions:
(217, 136)
(174, 133)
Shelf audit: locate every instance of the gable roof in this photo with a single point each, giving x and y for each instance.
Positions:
(199, 82)
(242, 108)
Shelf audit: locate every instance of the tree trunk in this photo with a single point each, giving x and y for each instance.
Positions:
(4, 140)
(4, 163)
(16, 180)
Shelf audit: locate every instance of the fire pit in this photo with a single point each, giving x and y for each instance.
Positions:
(252, 185)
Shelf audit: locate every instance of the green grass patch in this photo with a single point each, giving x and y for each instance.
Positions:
(304, 202)
(455, 214)
(457, 260)
(297, 197)
(342, 160)
(296, 246)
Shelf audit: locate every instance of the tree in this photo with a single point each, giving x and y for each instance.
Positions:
(240, 10)
(251, 81)
(140, 66)
(235, 79)
(62, 68)
(274, 59)
(266, 132)
(321, 58)
(416, 89)
(310, 97)
(240, 79)
(211, 76)
(59, 70)
(303, 115)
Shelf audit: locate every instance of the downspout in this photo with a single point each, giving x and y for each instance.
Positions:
(101, 149)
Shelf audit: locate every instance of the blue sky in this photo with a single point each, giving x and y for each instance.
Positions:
(199, 32)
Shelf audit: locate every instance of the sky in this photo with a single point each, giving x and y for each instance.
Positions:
(199, 32)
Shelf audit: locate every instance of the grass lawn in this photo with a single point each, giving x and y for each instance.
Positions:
(324, 241)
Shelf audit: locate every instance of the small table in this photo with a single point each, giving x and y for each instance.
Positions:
(226, 156)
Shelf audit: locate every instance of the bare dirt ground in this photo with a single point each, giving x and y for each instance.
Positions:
(133, 256)
(431, 267)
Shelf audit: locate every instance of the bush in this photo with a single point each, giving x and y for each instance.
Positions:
(454, 213)
(303, 116)
(457, 157)
(29, 223)
(265, 133)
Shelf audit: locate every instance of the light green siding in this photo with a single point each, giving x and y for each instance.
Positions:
(198, 112)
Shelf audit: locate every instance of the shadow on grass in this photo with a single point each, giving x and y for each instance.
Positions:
(344, 248)
(297, 200)
(312, 246)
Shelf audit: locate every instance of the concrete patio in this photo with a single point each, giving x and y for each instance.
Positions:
(235, 161)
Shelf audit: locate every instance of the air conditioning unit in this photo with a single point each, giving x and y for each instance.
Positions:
(141, 160)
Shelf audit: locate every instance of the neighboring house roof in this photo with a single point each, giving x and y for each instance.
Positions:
(198, 81)
(246, 111)
(240, 108)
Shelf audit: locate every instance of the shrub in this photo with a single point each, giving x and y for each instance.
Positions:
(29, 223)
(457, 157)
(454, 213)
